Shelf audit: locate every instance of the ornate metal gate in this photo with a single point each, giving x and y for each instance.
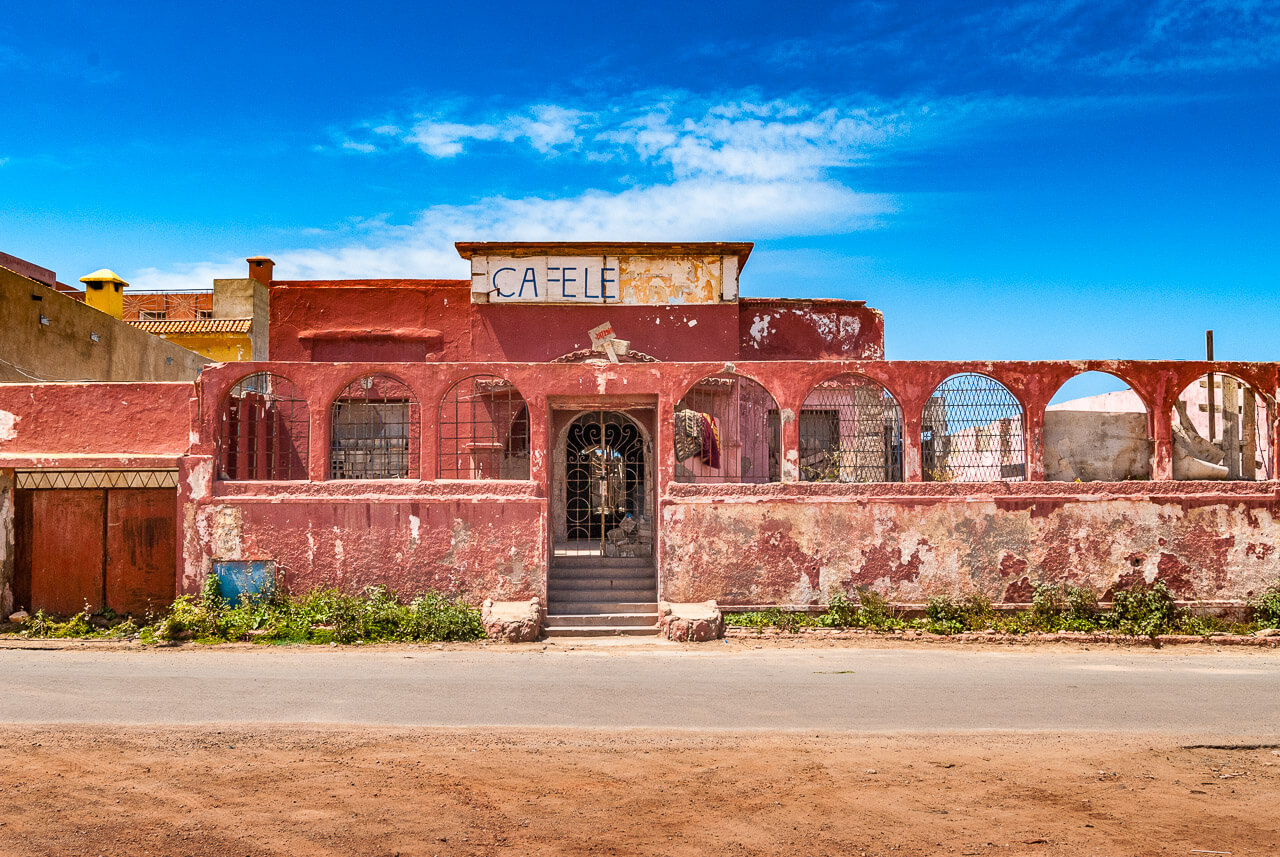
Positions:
(606, 490)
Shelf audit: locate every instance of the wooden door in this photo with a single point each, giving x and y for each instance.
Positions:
(67, 550)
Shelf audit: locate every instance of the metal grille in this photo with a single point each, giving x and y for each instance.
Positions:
(168, 305)
(375, 430)
(606, 492)
(973, 432)
(727, 430)
(265, 430)
(1222, 430)
(53, 479)
(850, 431)
(484, 430)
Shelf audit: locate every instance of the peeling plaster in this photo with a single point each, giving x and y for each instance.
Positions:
(760, 327)
(8, 425)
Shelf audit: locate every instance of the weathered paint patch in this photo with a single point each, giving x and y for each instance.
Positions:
(762, 553)
(8, 425)
(458, 547)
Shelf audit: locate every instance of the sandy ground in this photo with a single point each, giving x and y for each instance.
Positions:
(347, 791)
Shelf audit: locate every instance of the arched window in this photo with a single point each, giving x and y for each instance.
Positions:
(264, 430)
(1222, 430)
(850, 431)
(484, 430)
(374, 429)
(727, 430)
(1096, 430)
(973, 432)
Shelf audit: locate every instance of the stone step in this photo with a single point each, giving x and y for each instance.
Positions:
(571, 620)
(600, 592)
(601, 562)
(579, 608)
(604, 631)
(559, 575)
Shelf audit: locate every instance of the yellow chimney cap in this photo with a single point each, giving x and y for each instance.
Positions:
(103, 275)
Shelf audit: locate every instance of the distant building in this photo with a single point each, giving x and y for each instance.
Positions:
(52, 332)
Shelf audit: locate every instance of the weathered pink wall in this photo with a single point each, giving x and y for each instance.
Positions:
(790, 544)
(44, 422)
(435, 321)
(782, 329)
(388, 320)
(537, 333)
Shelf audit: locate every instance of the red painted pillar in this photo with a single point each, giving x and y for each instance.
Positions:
(790, 441)
(1162, 431)
(1035, 441)
(539, 440)
(912, 468)
(318, 463)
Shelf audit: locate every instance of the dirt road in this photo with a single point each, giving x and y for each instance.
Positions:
(224, 792)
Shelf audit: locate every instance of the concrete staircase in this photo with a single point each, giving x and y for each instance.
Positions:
(600, 596)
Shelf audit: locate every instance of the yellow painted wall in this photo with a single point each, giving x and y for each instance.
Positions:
(219, 347)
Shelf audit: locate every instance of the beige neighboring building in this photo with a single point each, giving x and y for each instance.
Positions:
(226, 324)
(52, 333)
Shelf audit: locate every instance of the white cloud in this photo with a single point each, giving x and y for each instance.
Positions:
(690, 169)
(186, 277)
(703, 209)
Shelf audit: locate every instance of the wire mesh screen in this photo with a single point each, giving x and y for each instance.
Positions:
(973, 432)
(727, 430)
(264, 430)
(484, 430)
(374, 430)
(1222, 430)
(850, 431)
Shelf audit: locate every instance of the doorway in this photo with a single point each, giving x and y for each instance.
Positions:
(607, 487)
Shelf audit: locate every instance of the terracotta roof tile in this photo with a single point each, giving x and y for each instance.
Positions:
(164, 327)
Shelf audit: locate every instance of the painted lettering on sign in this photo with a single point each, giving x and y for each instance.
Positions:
(552, 279)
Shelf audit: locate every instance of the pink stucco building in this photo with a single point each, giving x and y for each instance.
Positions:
(603, 426)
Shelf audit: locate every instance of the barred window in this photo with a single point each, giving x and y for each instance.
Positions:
(484, 430)
(264, 430)
(374, 430)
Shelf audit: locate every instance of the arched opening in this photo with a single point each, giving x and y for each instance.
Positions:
(374, 430)
(1096, 430)
(607, 504)
(1222, 430)
(727, 429)
(973, 431)
(850, 431)
(484, 430)
(264, 430)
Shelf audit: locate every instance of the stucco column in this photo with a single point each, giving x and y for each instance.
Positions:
(1162, 446)
(8, 547)
(912, 470)
(540, 451)
(1035, 442)
(790, 451)
(195, 491)
(318, 457)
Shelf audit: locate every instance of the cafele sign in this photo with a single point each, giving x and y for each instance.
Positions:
(554, 279)
(604, 273)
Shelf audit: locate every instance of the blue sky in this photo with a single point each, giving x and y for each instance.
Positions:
(1004, 181)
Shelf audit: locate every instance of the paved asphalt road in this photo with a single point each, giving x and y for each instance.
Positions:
(1220, 696)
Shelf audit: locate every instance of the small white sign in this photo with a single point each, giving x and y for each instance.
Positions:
(551, 279)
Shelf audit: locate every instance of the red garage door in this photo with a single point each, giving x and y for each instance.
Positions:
(113, 547)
